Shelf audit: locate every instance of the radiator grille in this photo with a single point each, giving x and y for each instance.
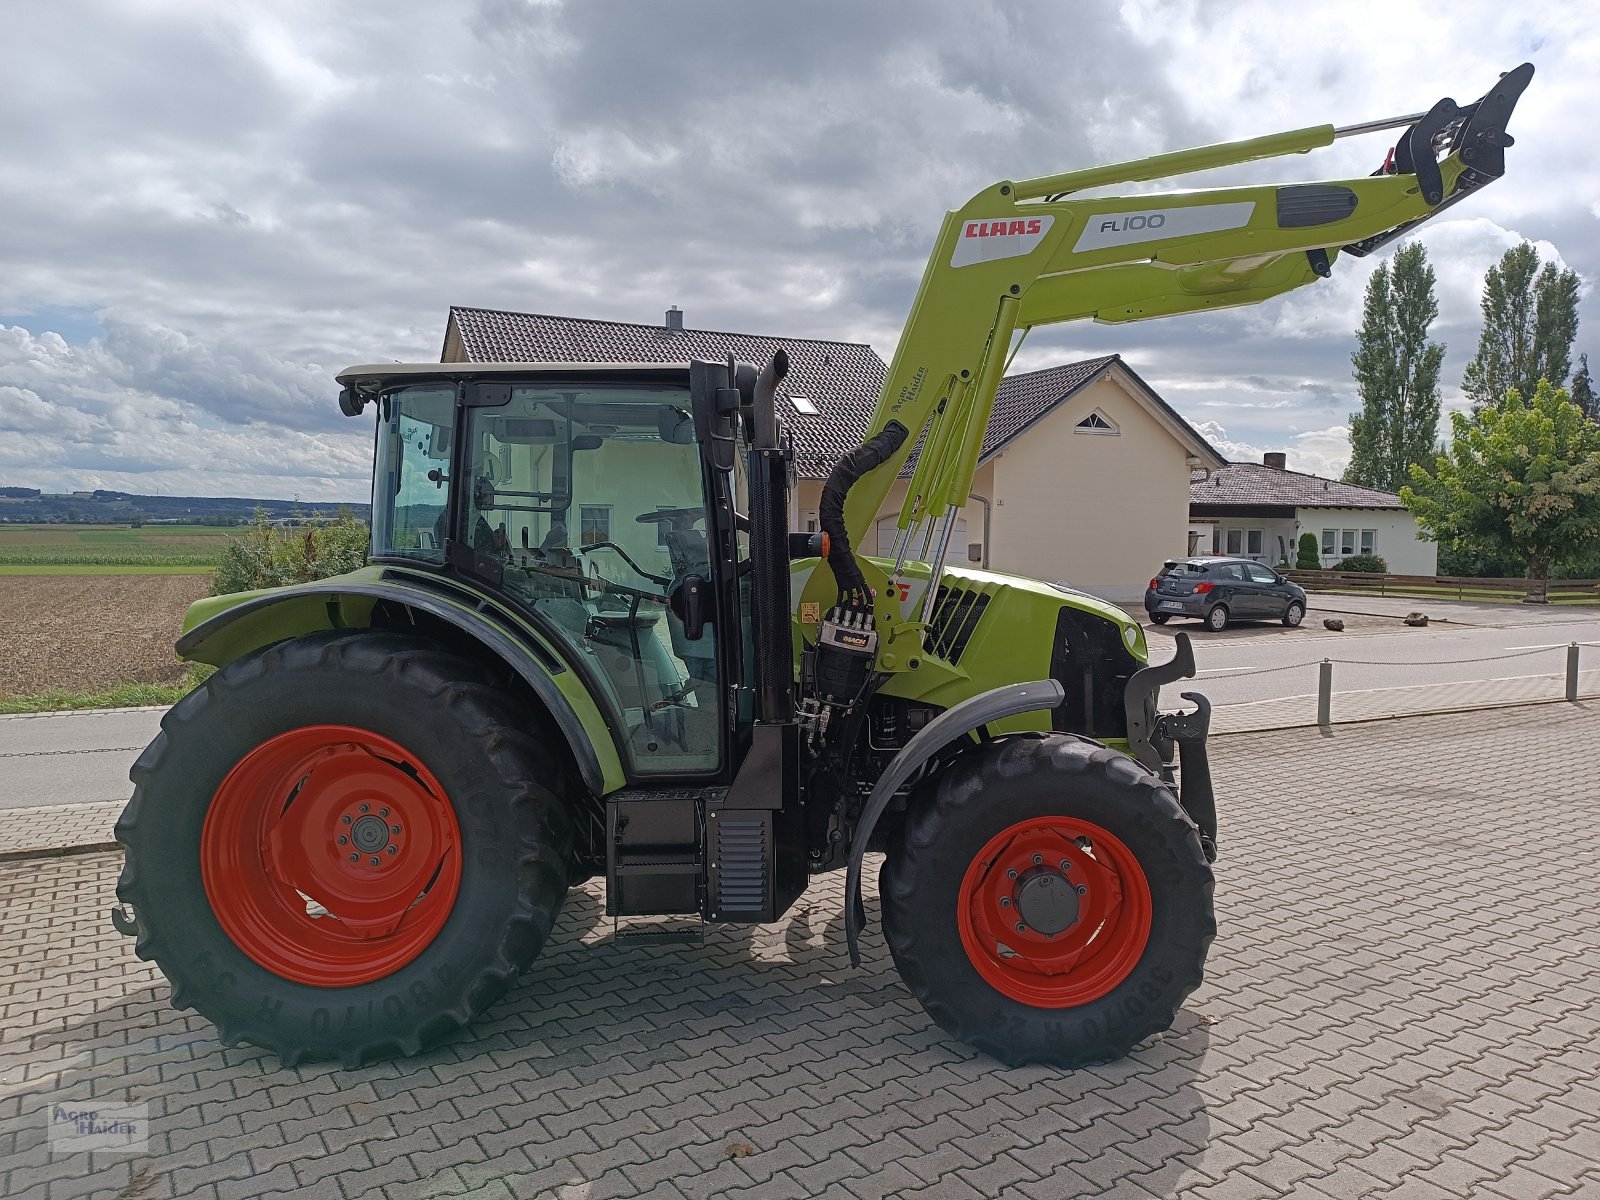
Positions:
(742, 865)
(956, 612)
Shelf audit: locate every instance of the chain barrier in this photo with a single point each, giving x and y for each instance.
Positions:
(1363, 662)
(58, 753)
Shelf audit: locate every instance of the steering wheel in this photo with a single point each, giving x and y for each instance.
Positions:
(677, 518)
(661, 580)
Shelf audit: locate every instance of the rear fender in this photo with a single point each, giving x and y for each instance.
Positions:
(949, 726)
(259, 619)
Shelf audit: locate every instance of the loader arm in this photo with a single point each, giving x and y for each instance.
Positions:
(1028, 252)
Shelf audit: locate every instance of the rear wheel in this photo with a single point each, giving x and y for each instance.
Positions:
(1217, 618)
(1048, 901)
(344, 846)
(1161, 618)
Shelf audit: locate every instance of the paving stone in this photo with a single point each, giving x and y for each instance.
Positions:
(1430, 1035)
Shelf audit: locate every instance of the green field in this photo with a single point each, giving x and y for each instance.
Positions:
(110, 549)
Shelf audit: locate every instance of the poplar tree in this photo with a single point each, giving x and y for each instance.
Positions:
(1583, 390)
(1396, 372)
(1530, 318)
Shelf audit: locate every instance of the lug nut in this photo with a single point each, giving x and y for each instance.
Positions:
(355, 858)
(383, 812)
(393, 850)
(345, 818)
(343, 841)
(1082, 889)
(1011, 874)
(1005, 901)
(394, 829)
(1021, 928)
(363, 807)
(1037, 859)
(374, 860)
(1065, 865)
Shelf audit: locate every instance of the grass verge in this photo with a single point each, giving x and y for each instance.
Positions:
(123, 695)
(97, 569)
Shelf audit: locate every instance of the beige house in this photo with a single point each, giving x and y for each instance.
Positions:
(1083, 477)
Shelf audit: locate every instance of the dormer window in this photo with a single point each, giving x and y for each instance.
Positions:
(1096, 422)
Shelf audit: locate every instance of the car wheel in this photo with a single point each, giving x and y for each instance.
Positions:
(1217, 618)
(1294, 614)
(1160, 618)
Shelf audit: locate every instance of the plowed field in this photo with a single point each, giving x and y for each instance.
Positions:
(87, 632)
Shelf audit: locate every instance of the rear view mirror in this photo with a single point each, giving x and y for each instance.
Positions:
(675, 426)
(588, 441)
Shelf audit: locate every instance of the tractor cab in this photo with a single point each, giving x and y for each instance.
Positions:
(581, 498)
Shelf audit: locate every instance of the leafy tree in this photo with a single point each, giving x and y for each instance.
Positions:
(1521, 480)
(1306, 556)
(1397, 373)
(1530, 317)
(1583, 390)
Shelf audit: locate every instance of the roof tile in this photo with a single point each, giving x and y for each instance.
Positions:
(1253, 483)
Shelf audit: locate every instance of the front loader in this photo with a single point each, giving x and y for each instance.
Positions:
(587, 645)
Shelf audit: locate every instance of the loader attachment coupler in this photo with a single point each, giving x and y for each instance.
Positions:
(1475, 132)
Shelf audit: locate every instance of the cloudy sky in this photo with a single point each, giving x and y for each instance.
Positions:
(206, 209)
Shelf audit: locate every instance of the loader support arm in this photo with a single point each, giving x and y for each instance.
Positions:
(1027, 253)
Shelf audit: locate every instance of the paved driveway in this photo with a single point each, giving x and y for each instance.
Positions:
(1403, 1001)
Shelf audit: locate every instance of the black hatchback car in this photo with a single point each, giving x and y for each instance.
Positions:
(1219, 590)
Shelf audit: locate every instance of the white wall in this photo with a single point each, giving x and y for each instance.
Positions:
(1397, 542)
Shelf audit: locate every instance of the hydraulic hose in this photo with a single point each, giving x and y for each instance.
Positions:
(873, 452)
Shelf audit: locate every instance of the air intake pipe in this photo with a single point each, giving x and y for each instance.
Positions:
(769, 550)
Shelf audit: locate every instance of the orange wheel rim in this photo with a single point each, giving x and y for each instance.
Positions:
(1054, 912)
(331, 856)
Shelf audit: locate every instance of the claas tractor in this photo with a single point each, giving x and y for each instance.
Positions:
(587, 645)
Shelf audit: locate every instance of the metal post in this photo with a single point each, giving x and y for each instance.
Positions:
(1325, 693)
(1572, 670)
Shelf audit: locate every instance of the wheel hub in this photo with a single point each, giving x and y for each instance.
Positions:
(1047, 902)
(330, 855)
(1054, 912)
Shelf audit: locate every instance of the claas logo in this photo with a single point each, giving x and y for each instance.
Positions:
(983, 229)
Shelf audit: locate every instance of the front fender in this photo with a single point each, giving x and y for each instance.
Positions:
(256, 619)
(950, 725)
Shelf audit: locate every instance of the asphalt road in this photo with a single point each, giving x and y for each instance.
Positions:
(72, 758)
(1262, 661)
(77, 758)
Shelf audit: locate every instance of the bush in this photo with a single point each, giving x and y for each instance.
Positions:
(267, 556)
(1307, 559)
(1363, 562)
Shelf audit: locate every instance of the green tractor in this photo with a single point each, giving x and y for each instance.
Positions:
(354, 835)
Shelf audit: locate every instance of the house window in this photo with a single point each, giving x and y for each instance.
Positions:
(1235, 541)
(1252, 542)
(594, 524)
(1095, 422)
(1216, 540)
(1369, 541)
(1330, 539)
(1347, 543)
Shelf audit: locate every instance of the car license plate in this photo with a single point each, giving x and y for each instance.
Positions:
(1171, 604)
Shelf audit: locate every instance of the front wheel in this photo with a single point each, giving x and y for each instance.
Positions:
(344, 846)
(1294, 614)
(1047, 900)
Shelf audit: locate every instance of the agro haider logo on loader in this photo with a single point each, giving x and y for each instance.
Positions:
(1002, 237)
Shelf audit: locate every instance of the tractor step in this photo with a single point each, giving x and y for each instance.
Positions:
(657, 933)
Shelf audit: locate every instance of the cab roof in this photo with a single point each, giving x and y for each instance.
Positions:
(373, 377)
